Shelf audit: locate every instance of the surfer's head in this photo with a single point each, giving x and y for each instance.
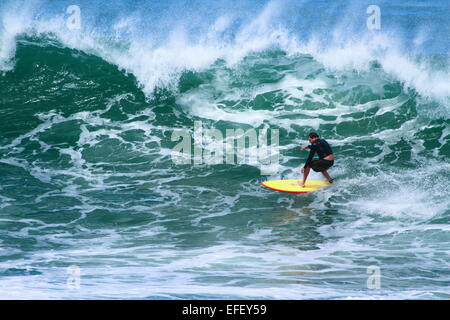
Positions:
(313, 137)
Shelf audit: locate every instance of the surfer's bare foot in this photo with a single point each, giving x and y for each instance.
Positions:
(301, 184)
(331, 181)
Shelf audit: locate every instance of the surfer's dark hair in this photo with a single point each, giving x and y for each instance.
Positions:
(313, 135)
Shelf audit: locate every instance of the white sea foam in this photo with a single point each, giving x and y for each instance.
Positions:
(161, 64)
(13, 21)
(374, 211)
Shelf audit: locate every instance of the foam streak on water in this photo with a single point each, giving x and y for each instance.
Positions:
(87, 178)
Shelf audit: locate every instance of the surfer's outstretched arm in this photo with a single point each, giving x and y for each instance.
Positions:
(306, 167)
(312, 151)
(305, 172)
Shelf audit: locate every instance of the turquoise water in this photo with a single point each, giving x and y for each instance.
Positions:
(87, 178)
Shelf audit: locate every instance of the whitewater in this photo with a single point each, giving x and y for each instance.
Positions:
(92, 205)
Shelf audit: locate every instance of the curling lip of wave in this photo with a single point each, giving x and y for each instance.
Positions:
(160, 65)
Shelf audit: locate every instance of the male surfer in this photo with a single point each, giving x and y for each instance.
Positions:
(326, 158)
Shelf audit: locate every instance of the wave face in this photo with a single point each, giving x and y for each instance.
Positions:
(87, 178)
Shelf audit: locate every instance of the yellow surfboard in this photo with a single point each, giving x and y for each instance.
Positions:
(292, 186)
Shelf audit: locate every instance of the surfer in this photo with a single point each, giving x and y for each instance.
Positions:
(326, 158)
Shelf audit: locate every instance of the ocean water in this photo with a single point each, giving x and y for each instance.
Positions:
(92, 205)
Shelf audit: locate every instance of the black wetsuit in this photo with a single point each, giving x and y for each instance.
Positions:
(323, 149)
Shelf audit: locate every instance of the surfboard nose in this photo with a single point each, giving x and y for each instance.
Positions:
(293, 186)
